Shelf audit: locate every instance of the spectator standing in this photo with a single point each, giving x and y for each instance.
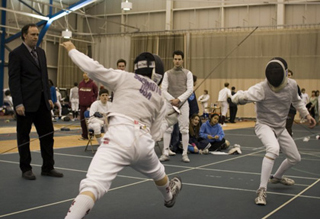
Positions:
(121, 65)
(313, 104)
(88, 93)
(53, 95)
(74, 100)
(177, 86)
(318, 106)
(204, 99)
(223, 101)
(233, 108)
(305, 100)
(59, 100)
(292, 111)
(28, 82)
(192, 100)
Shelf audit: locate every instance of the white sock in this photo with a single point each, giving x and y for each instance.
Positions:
(285, 165)
(185, 141)
(267, 165)
(165, 191)
(80, 207)
(99, 140)
(166, 142)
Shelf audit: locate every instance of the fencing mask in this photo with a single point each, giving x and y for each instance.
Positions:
(149, 65)
(276, 73)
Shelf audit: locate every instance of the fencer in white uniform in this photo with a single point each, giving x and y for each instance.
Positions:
(134, 122)
(273, 98)
(204, 99)
(177, 86)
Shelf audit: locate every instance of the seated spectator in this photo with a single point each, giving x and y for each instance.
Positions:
(196, 143)
(98, 111)
(212, 131)
(8, 105)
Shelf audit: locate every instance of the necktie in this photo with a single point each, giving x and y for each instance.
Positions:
(35, 56)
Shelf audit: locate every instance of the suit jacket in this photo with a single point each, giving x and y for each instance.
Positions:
(27, 80)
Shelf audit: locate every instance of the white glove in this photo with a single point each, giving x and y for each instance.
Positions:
(172, 118)
(239, 98)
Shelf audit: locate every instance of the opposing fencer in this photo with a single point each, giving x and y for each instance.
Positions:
(273, 98)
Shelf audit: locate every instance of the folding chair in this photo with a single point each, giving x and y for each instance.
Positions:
(90, 132)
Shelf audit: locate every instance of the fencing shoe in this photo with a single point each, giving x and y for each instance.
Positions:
(261, 197)
(175, 185)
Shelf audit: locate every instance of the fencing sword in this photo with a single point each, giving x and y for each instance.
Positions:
(176, 110)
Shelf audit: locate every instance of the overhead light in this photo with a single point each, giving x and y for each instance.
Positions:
(126, 6)
(66, 34)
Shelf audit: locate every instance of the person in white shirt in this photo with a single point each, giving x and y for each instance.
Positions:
(98, 112)
(74, 100)
(223, 101)
(204, 99)
(177, 86)
(58, 103)
(305, 100)
(134, 124)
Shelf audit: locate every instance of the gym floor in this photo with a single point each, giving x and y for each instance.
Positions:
(214, 186)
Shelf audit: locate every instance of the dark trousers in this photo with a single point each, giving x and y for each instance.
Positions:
(43, 122)
(289, 122)
(233, 113)
(175, 138)
(83, 122)
(217, 145)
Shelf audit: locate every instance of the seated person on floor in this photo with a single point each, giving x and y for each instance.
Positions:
(212, 131)
(8, 104)
(98, 111)
(196, 143)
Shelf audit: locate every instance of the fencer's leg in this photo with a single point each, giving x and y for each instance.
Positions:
(289, 148)
(185, 142)
(267, 165)
(166, 142)
(285, 165)
(81, 205)
(163, 186)
(169, 189)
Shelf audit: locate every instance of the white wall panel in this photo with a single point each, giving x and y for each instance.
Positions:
(148, 22)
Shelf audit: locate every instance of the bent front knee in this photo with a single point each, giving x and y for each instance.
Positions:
(295, 160)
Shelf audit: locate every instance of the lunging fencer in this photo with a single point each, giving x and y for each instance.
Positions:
(273, 98)
(134, 122)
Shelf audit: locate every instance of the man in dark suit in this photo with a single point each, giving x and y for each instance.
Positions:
(28, 82)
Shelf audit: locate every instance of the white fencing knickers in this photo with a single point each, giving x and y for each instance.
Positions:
(224, 107)
(274, 140)
(126, 143)
(74, 104)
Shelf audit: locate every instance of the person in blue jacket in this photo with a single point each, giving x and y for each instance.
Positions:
(212, 131)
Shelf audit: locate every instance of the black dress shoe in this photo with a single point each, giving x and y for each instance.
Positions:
(29, 175)
(52, 173)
